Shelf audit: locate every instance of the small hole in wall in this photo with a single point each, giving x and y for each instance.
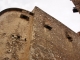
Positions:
(31, 13)
(16, 36)
(25, 39)
(69, 37)
(48, 27)
(24, 17)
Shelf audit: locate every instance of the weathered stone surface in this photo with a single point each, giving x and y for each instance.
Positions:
(59, 43)
(36, 35)
(14, 35)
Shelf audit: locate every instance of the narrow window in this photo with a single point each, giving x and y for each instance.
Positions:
(48, 27)
(24, 17)
(75, 10)
(31, 13)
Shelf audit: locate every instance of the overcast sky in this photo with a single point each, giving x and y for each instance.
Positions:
(59, 9)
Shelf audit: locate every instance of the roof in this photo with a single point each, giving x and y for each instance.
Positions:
(11, 9)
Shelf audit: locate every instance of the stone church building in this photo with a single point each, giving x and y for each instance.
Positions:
(36, 35)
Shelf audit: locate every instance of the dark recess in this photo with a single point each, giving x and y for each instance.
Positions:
(24, 17)
(69, 37)
(75, 9)
(25, 39)
(48, 27)
(16, 36)
(31, 13)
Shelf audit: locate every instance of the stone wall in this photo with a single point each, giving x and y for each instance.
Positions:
(15, 32)
(52, 40)
(36, 35)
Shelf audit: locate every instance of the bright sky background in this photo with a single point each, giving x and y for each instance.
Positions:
(59, 9)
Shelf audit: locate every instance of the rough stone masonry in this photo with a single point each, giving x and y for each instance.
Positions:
(36, 35)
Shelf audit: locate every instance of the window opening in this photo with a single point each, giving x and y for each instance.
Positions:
(24, 17)
(48, 27)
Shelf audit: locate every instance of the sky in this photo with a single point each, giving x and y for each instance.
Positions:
(59, 9)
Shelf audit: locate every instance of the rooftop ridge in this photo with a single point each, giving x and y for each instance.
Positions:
(12, 9)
